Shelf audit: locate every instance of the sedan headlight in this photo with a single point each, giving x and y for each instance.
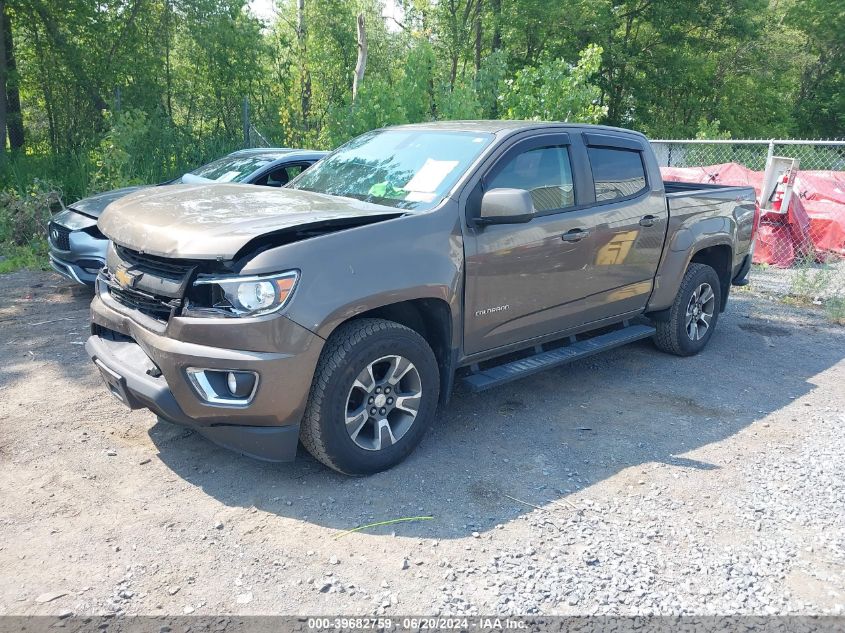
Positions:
(232, 296)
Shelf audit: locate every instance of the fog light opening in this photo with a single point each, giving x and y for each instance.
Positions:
(224, 387)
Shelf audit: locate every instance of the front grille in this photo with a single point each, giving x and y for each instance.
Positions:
(174, 269)
(152, 306)
(152, 285)
(59, 236)
(157, 283)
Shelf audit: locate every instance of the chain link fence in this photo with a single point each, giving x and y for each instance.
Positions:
(814, 155)
(800, 253)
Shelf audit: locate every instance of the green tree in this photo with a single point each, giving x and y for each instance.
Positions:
(100, 93)
(819, 108)
(556, 90)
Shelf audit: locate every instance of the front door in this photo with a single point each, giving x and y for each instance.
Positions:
(519, 277)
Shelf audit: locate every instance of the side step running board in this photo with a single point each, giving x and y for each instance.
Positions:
(500, 374)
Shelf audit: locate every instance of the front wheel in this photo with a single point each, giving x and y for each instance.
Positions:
(374, 394)
(693, 315)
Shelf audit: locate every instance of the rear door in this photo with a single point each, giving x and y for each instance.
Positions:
(629, 224)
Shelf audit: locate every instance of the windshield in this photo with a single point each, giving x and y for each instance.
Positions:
(229, 168)
(409, 169)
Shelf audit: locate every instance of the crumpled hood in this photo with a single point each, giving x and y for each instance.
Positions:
(95, 205)
(214, 221)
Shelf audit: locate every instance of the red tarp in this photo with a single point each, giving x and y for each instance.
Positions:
(815, 218)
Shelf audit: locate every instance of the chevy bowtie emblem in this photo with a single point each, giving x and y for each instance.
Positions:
(127, 278)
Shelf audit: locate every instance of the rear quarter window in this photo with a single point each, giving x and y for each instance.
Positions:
(617, 173)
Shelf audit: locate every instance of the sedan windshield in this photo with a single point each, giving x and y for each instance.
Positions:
(228, 169)
(404, 168)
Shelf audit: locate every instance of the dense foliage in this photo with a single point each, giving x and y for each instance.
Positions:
(107, 92)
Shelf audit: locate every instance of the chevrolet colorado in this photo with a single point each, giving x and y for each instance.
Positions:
(340, 309)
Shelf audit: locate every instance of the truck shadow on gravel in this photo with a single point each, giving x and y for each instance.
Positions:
(491, 457)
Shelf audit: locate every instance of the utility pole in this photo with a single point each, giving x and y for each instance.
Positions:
(3, 75)
(245, 116)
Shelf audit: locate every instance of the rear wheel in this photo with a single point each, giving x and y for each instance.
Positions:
(374, 395)
(694, 313)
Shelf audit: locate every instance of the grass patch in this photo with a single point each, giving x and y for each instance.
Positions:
(23, 227)
(815, 281)
(818, 282)
(811, 281)
(835, 309)
(32, 256)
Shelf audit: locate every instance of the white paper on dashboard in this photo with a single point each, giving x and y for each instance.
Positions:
(419, 196)
(228, 176)
(430, 175)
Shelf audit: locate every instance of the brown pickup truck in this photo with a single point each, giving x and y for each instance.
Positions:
(340, 309)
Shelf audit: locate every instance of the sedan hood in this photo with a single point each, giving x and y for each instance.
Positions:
(94, 206)
(216, 221)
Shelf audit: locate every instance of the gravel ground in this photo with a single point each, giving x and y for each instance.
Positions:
(629, 483)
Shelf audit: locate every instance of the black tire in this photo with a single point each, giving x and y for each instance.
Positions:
(349, 351)
(673, 335)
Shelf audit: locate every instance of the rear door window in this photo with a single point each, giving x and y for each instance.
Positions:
(617, 173)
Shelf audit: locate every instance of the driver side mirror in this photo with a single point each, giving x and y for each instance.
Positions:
(506, 206)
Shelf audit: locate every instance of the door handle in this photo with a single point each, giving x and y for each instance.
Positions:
(647, 220)
(575, 235)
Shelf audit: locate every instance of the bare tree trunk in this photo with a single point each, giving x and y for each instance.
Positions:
(301, 38)
(432, 101)
(14, 118)
(618, 83)
(3, 73)
(478, 34)
(453, 45)
(496, 6)
(361, 64)
(458, 33)
(167, 68)
(45, 81)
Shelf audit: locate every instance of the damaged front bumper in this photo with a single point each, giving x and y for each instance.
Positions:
(145, 368)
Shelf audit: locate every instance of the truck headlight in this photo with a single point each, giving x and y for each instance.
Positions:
(240, 296)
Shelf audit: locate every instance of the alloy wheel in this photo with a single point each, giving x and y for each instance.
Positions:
(700, 310)
(383, 402)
